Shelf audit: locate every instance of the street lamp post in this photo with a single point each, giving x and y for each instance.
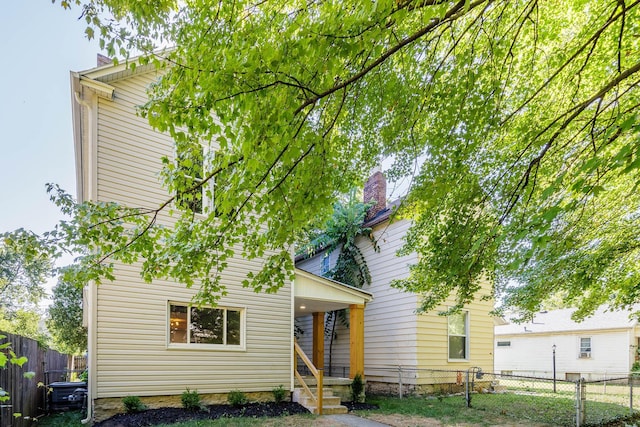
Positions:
(553, 347)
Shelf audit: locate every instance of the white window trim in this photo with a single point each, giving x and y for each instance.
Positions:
(590, 352)
(467, 340)
(216, 347)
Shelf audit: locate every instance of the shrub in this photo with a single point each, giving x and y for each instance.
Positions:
(279, 393)
(357, 388)
(133, 404)
(84, 376)
(237, 398)
(191, 400)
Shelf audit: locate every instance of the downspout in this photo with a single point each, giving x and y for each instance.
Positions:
(91, 318)
(292, 352)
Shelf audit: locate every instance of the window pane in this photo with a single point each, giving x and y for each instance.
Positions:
(457, 347)
(178, 324)
(457, 324)
(585, 344)
(206, 326)
(233, 327)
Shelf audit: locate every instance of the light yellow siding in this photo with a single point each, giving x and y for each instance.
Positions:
(132, 356)
(433, 343)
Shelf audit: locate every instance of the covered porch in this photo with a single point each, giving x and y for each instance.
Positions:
(315, 296)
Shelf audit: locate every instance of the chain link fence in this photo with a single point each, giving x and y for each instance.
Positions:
(529, 399)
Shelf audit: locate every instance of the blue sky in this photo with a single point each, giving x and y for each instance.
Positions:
(40, 44)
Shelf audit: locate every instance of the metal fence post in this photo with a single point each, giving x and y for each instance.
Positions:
(578, 404)
(400, 382)
(631, 381)
(581, 398)
(467, 393)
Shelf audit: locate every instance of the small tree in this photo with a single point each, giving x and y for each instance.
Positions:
(65, 319)
(340, 233)
(26, 261)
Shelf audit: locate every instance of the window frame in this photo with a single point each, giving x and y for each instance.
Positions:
(325, 263)
(207, 189)
(197, 346)
(589, 352)
(467, 337)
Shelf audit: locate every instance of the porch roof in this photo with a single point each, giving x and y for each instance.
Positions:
(318, 294)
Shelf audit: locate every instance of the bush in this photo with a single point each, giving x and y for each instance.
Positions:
(84, 376)
(279, 393)
(133, 404)
(191, 400)
(237, 398)
(357, 388)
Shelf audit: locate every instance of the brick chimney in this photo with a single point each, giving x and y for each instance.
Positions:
(375, 190)
(103, 60)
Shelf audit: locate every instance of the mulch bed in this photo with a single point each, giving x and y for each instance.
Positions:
(152, 417)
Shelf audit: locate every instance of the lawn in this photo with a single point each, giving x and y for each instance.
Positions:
(487, 410)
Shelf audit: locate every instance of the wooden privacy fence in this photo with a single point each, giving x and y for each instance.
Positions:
(26, 397)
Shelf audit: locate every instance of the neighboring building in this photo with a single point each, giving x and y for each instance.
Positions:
(604, 345)
(398, 342)
(144, 339)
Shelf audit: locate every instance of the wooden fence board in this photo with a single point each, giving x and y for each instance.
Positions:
(26, 397)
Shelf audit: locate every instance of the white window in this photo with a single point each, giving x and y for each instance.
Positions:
(504, 344)
(459, 336)
(191, 163)
(585, 348)
(216, 327)
(326, 262)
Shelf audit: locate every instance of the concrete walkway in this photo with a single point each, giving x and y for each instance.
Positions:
(353, 420)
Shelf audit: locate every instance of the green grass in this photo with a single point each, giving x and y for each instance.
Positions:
(486, 410)
(62, 419)
(548, 408)
(449, 410)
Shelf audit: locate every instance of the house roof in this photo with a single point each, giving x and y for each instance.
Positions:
(560, 321)
(319, 294)
(384, 214)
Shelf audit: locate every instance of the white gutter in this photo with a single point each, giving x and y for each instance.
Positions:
(85, 175)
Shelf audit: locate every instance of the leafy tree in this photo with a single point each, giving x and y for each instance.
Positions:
(65, 319)
(519, 118)
(26, 261)
(339, 234)
(26, 323)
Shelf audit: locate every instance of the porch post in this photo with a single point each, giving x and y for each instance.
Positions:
(356, 338)
(318, 340)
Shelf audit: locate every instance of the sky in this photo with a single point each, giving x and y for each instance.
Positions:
(40, 44)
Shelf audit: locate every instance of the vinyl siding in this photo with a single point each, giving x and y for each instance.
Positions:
(433, 333)
(133, 357)
(395, 336)
(390, 320)
(612, 353)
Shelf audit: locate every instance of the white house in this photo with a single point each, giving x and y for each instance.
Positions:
(147, 340)
(604, 345)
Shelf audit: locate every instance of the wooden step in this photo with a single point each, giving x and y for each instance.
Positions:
(307, 401)
(299, 392)
(330, 403)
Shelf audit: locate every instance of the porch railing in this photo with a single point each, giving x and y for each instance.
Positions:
(317, 373)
